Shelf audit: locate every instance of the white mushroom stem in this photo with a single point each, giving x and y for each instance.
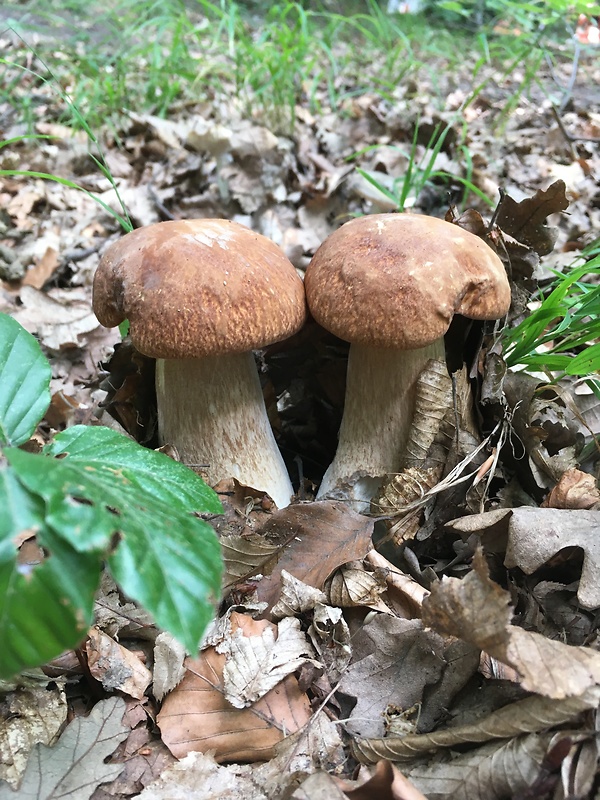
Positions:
(378, 413)
(212, 410)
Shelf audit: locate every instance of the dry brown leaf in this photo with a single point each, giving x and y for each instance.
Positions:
(476, 610)
(330, 635)
(59, 318)
(197, 717)
(315, 539)
(531, 715)
(386, 783)
(169, 655)
(394, 660)
(352, 586)
(296, 597)
(526, 221)
(116, 667)
(38, 275)
(575, 489)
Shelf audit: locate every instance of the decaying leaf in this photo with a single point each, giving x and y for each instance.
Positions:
(393, 661)
(115, 666)
(492, 772)
(256, 664)
(296, 597)
(74, 767)
(386, 782)
(476, 610)
(30, 715)
(196, 716)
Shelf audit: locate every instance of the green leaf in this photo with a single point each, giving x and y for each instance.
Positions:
(105, 488)
(44, 608)
(24, 382)
(155, 472)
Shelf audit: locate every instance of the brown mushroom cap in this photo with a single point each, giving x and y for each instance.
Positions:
(193, 288)
(396, 280)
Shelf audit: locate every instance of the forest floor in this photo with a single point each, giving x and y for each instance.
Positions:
(483, 684)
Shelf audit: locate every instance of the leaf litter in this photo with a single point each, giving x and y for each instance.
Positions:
(462, 653)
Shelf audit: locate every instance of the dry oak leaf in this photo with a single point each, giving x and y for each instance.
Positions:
(535, 535)
(526, 221)
(476, 610)
(75, 765)
(196, 716)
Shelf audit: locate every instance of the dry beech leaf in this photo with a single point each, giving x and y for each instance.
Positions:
(116, 667)
(394, 660)
(315, 539)
(168, 671)
(494, 771)
(57, 317)
(535, 535)
(531, 715)
(350, 586)
(386, 783)
(296, 597)
(476, 610)
(575, 489)
(197, 716)
(256, 664)
(75, 765)
(30, 715)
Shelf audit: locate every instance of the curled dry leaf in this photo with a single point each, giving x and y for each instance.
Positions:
(115, 667)
(196, 716)
(169, 655)
(330, 635)
(386, 782)
(351, 586)
(296, 597)
(492, 772)
(535, 535)
(476, 610)
(575, 489)
(531, 715)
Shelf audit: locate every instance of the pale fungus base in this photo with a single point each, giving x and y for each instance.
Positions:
(378, 413)
(212, 410)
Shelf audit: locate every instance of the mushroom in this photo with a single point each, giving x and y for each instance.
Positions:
(200, 295)
(390, 285)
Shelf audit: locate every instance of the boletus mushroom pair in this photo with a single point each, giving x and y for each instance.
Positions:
(200, 295)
